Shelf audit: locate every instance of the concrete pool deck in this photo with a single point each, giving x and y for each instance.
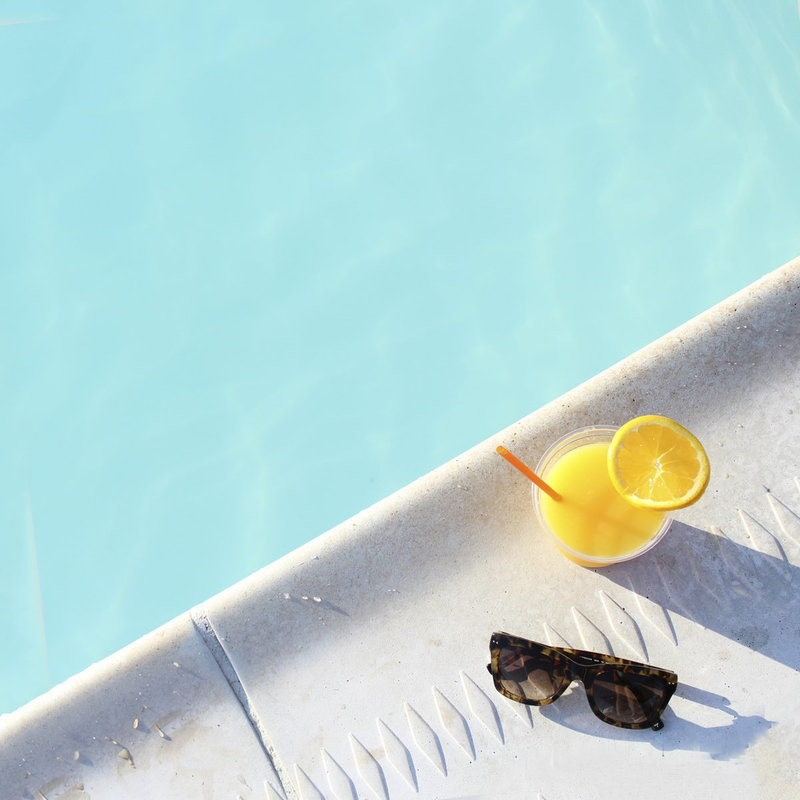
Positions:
(355, 666)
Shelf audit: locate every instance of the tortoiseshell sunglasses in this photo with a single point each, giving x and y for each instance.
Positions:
(626, 694)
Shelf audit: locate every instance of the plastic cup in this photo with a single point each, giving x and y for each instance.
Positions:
(598, 534)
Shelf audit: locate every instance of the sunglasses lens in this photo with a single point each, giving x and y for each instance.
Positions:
(628, 698)
(529, 675)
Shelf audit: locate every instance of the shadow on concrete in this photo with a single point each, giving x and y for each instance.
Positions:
(722, 742)
(748, 596)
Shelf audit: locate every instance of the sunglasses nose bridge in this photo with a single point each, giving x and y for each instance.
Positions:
(578, 671)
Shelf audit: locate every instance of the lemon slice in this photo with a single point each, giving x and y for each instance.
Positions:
(656, 463)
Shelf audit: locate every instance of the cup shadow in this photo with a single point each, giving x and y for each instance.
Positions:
(748, 596)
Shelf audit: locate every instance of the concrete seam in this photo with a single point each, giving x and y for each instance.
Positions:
(209, 637)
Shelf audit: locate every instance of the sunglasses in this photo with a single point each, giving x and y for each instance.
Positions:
(626, 694)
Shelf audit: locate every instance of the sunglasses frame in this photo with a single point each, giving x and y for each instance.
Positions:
(582, 665)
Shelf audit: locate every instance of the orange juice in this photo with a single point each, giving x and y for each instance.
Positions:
(593, 524)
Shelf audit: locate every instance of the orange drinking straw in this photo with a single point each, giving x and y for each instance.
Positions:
(528, 472)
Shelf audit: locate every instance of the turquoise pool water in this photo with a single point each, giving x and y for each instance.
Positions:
(264, 264)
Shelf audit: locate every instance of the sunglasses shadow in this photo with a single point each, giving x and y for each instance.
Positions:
(721, 742)
(737, 591)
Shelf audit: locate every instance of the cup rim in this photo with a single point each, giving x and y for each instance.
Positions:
(599, 561)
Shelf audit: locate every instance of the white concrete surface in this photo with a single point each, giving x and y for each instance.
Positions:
(158, 719)
(355, 666)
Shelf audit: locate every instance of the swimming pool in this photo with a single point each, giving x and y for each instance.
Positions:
(262, 267)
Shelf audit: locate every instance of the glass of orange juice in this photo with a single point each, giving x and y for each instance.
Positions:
(593, 524)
